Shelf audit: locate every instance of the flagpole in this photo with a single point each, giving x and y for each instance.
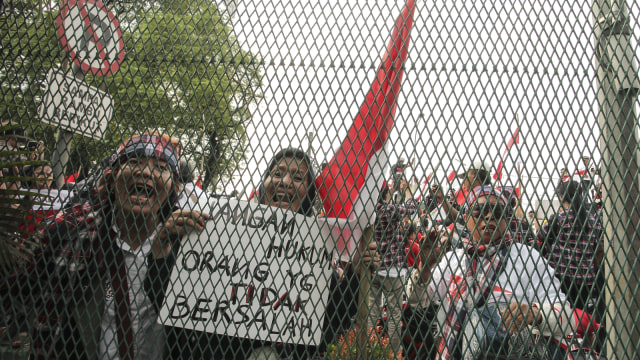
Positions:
(519, 210)
(617, 92)
(363, 294)
(345, 184)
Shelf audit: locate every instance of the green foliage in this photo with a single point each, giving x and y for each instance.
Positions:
(29, 47)
(184, 73)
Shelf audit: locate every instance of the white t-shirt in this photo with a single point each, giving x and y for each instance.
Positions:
(148, 334)
(526, 278)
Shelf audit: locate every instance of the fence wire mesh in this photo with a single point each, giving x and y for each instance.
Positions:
(319, 180)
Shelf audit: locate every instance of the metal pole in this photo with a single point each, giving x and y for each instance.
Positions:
(310, 136)
(60, 156)
(617, 91)
(363, 296)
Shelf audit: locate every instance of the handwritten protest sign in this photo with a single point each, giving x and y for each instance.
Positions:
(254, 272)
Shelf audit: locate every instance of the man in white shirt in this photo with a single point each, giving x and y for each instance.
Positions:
(492, 287)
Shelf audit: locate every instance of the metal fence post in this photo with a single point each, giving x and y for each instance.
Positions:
(363, 295)
(617, 90)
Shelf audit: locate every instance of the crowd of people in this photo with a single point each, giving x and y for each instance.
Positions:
(492, 271)
(95, 284)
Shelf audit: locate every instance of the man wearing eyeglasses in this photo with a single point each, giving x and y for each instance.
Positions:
(493, 288)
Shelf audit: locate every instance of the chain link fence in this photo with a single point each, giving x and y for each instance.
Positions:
(319, 180)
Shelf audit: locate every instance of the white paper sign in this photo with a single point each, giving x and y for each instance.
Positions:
(254, 272)
(75, 106)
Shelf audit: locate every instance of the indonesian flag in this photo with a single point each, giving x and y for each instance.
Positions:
(515, 139)
(350, 183)
(461, 196)
(451, 176)
(253, 196)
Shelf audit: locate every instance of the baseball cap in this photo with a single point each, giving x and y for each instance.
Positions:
(476, 165)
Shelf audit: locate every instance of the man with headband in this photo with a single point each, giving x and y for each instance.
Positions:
(95, 256)
(492, 288)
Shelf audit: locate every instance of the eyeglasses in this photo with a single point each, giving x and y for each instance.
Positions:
(497, 211)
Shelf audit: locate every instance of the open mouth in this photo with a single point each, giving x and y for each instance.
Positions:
(142, 191)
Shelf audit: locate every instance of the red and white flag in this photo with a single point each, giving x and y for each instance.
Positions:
(451, 176)
(515, 139)
(461, 196)
(350, 183)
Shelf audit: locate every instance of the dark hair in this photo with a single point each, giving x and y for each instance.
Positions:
(410, 229)
(571, 192)
(383, 194)
(306, 206)
(11, 130)
(424, 222)
(483, 176)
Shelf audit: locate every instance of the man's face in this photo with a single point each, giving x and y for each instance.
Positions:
(287, 184)
(487, 219)
(44, 174)
(143, 186)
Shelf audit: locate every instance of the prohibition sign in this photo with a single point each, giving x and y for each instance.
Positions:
(91, 34)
